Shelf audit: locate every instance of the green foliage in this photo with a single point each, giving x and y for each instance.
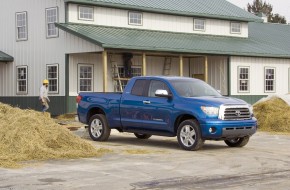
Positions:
(258, 6)
(276, 18)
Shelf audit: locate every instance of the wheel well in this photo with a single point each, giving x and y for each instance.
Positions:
(94, 111)
(180, 119)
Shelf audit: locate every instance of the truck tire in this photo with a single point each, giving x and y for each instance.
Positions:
(98, 128)
(142, 136)
(237, 142)
(189, 135)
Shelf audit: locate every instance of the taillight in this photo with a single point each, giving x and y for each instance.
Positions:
(78, 99)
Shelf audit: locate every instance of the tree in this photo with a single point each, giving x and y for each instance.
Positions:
(259, 6)
(278, 19)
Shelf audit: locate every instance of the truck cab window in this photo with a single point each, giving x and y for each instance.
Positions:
(138, 88)
(157, 85)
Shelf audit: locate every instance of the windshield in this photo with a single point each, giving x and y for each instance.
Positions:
(193, 88)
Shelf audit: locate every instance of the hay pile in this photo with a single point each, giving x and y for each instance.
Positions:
(68, 116)
(29, 135)
(273, 115)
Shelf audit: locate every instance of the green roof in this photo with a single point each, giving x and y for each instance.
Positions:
(265, 40)
(5, 57)
(220, 9)
(277, 36)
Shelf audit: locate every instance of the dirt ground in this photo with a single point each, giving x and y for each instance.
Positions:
(159, 163)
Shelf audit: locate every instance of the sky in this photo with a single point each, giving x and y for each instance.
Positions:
(281, 7)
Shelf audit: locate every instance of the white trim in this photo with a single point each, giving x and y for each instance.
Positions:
(92, 76)
(48, 23)
(231, 28)
(247, 79)
(274, 80)
(49, 79)
(83, 18)
(25, 80)
(24, 25)
(199, 29)
(133, 23)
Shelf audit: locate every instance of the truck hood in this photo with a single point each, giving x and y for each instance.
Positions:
(215, 101)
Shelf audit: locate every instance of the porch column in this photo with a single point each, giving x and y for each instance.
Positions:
(144, 64)
(105, 70)
(206, 69)
(181, 65)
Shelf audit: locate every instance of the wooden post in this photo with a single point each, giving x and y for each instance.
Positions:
(205, 69)
(181, 65)
(144, 64)
(105, 70)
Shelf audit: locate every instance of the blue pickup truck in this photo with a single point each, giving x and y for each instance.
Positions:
(168, 106)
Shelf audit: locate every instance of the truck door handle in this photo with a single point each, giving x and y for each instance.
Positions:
(146, 102)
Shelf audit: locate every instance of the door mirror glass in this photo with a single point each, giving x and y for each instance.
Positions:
(162, 93)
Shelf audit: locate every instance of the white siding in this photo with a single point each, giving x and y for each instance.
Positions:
(257, 66)
(37, 51)
(88, 58)
(153, 21)
(7, 81)
(217, 71)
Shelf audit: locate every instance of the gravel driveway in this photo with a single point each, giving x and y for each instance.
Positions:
(159, 163)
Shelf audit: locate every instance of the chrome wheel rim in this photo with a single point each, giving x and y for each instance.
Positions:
(96, 128)
(187, 135)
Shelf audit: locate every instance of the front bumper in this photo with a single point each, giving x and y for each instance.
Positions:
(216, 129)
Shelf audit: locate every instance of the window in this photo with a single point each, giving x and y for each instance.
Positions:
(85, 77)
(157, 85)
(270, 79)
(135, 18)
(243, 77)
(134, 71)
(138, 88)
(199, 24)
(21, 80)
(52, 77)
(51, 18)
(21, 26)
(86, 13)
(235, 27)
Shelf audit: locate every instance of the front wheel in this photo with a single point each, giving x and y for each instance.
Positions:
(189, 135)
(98, 128)
(237, 142)
(142, 136)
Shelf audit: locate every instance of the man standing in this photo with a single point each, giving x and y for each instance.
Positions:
(43, 97)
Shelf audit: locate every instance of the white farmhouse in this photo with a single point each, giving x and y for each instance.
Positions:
(98, 45)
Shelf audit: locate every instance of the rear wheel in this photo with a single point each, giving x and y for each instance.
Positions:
(237, 142)
(189, 135)
(98, 128)
(142, 136)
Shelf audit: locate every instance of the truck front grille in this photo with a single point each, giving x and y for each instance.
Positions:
(232, 112)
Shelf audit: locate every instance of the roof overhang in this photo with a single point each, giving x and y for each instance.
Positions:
(5, 57)
(160, 41)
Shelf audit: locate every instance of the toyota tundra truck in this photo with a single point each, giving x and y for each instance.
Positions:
(184, 107)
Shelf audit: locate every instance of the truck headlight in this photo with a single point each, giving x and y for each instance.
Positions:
(251, 109)
(210, 111)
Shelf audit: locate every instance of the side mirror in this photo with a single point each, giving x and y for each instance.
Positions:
(219, 91)
(162, 93)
